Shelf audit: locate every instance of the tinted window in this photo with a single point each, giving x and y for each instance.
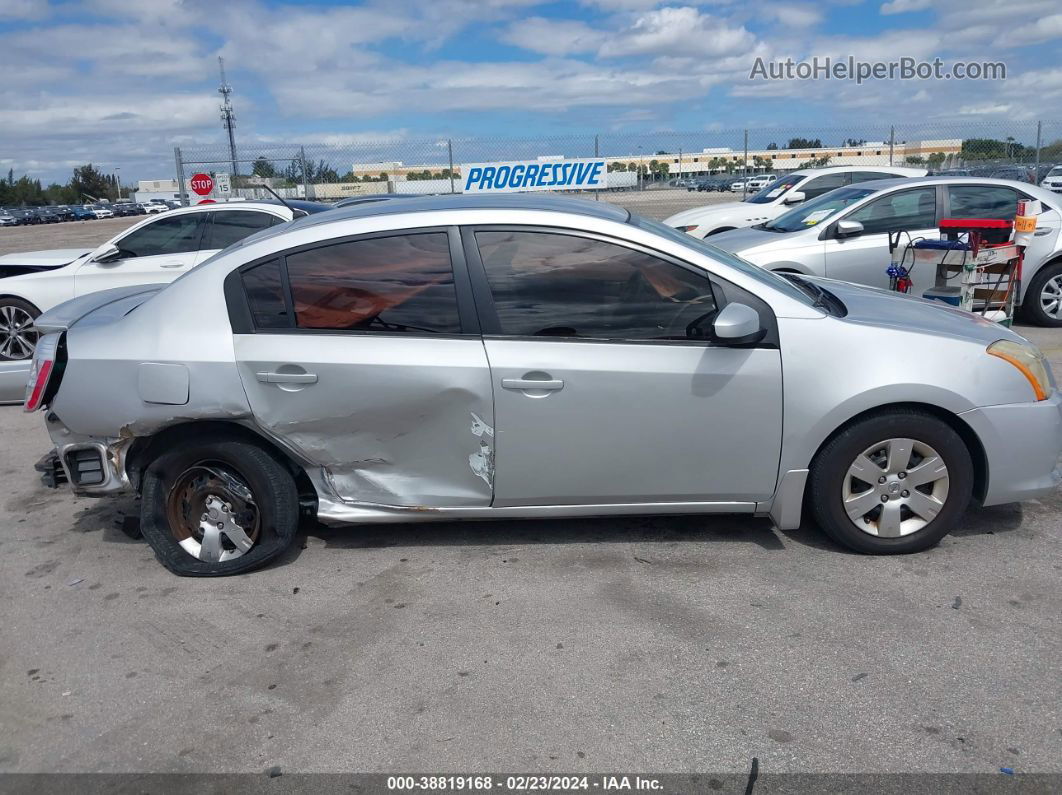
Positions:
(396, 284)
(903, 210)
(231, 226)
(775, 189)
(265, 295)
(866, 176)
(811, 213)
(172, 234)
(554, 285)
(820, 185)
(982, 201)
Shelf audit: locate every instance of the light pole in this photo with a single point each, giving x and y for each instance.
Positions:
(641, 184)
(118, 177)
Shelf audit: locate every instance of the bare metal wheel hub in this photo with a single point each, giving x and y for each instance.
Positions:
(1051, 297)
(212, 513)
(895, 488)
(18, 337)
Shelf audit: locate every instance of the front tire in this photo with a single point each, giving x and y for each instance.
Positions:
(892, 483)
(214, 508)
(18, 336)
(1043, 298)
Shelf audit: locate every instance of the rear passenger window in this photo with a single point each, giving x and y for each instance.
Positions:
(265, 295)
(403, 283)
(232, 226)
(994, 202)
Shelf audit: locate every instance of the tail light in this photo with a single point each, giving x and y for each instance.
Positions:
(45, 363)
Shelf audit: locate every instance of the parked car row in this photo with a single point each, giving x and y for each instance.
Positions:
(841, 230)
(53, 214)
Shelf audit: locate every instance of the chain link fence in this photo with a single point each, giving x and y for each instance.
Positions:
(655, 174)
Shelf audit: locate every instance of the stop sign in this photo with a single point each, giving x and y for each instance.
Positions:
(202, 184)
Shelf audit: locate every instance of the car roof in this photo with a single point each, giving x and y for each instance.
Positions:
(264, 204)
(885, 184)
(460, 201)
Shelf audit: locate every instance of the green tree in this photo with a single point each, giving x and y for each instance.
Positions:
(89, 182)
(804, 143)
(263, 168)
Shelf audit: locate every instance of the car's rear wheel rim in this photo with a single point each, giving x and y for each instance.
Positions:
(212, 513)
(1051, 297)
(895, 488)
(18, 337)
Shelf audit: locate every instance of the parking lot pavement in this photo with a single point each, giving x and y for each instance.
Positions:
(641, 644)
(70, 234)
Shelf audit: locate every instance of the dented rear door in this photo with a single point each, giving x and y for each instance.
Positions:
(360, 356)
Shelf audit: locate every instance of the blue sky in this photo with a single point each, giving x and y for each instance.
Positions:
(120, 82)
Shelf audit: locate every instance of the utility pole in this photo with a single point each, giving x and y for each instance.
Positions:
(228, 115)
(892, 142)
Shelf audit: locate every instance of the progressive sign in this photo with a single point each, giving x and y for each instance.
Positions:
(523, 175)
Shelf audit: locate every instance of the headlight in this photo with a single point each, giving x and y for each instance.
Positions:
(1029, 361)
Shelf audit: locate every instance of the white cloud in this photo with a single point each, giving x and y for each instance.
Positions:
(554, 36)
(904, 6)
(794, 15)
(678, 31)
(23, 10)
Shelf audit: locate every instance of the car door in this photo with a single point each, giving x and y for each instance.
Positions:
(157, 252)
(601, 396)
(364, 357)
(864, 258)
(228, 226)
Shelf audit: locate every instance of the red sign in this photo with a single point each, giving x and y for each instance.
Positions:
(202, 184)
(206, 201)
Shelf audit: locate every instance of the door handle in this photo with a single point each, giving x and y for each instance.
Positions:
(530, 383)
(172, 264)
(287, 378)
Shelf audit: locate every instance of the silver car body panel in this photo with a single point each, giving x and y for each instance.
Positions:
(404, 429)
(51, 258)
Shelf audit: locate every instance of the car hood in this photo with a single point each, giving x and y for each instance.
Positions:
(730, 212)
(885, 309)
(744, 242)
(53, 258)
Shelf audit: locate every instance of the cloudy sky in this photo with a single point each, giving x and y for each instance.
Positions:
(120, 82)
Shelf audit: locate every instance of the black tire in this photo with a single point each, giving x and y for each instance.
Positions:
(21, 306)
(1032, 308)
(269, 481)
(830, 468)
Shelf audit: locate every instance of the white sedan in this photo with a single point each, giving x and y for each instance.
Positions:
(156, 250)
(778, 197)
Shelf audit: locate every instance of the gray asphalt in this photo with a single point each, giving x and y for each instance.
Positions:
(658, 644)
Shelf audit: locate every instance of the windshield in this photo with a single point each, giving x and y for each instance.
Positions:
(775, 189)
(1055, 172)
(769, 278)
(817, 210)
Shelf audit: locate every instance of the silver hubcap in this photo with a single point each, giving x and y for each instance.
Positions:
(895, 488)
(18, 337)
(212, 513)
(1051, 297)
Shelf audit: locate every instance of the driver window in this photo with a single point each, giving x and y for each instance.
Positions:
(172, 234)
(556, 285)
(824, 184)
(905, 210)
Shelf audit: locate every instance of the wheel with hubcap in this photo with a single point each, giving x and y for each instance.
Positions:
(898, 481)
(1043, 298)
(18, 336)
(219, 507)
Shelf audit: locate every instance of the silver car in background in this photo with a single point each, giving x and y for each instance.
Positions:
(486, 357)
(844, 233)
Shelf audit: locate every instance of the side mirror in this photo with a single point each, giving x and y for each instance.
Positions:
(738, 324)
(108, 252)
(848, 229)
(794, 197)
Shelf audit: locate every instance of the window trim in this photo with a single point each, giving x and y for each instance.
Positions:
(491, 325)
(242, 319)
(208, 232)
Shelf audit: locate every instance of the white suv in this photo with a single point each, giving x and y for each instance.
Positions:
(1053, 180)
(778, 197)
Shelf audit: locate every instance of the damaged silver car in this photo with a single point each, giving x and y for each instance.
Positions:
(488, 357)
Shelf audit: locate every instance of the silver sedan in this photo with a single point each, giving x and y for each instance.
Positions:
(510, 357)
